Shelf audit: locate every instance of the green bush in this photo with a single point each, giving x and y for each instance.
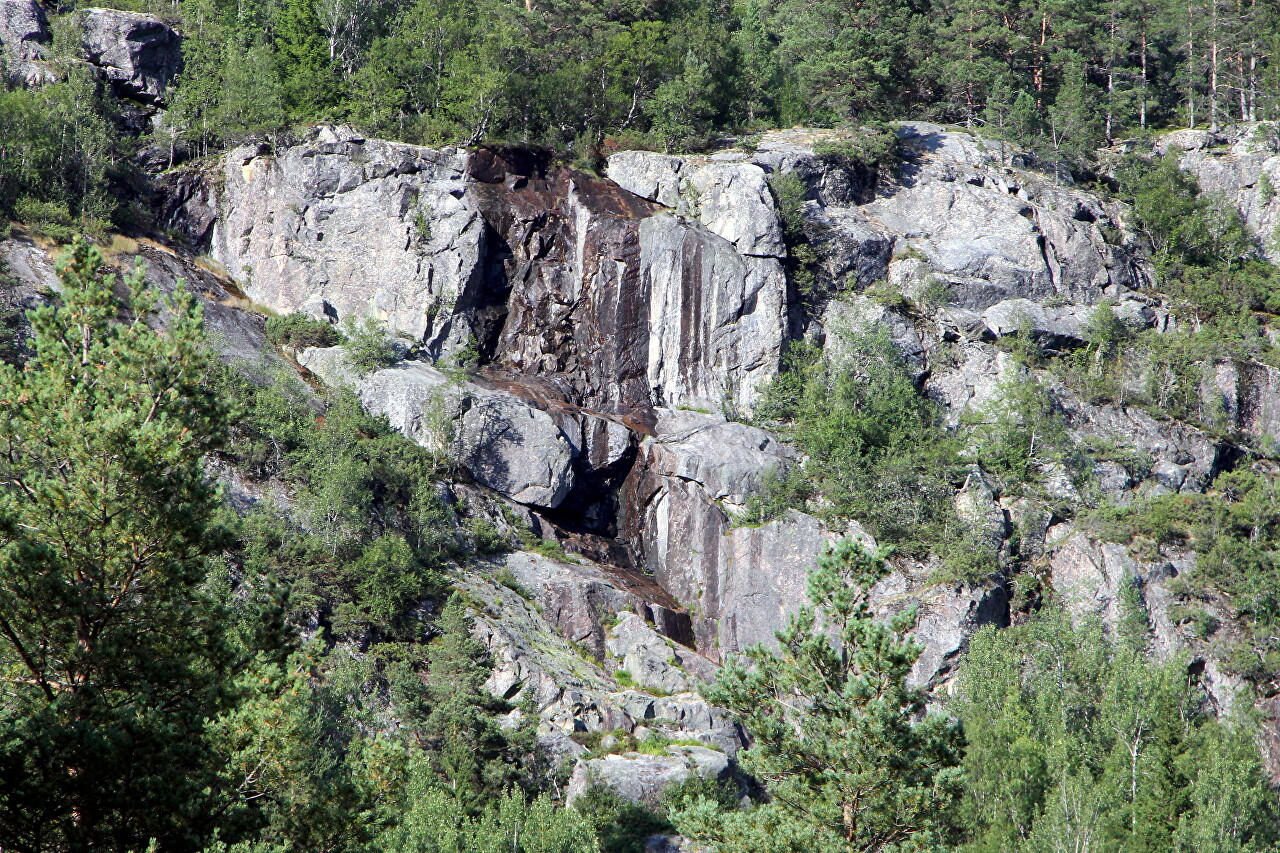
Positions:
(1020, 432)
(779, 491)
(873, 147)
(51, 218)
(369, 347)
(803, 267)
(877, 450)
(299, 331)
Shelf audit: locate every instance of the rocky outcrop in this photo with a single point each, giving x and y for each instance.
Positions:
(1245, 173)
(641, 778)
(622, 325)
(502, 441)
(574, 695)
(653, 661)
(731, 198)
(138, 54)
(532, 264)
(366, 229)
(24, 42)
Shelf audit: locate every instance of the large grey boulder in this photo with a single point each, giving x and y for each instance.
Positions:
(728, 459)
(1054, 327)
(502, 441)
(138, 54)
(24, 42)
(368, 228)
(642, 778)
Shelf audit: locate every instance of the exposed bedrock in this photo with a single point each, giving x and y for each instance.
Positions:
(138, 54)
(625, 325)
(546, 271)
(1245, 172)
(25, 42)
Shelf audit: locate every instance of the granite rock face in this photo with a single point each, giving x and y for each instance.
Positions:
(505, 443)
(1245, 173)
(24, 42)
(624, 326)
(138, 54)
(688, 319)
(371, 229)
(531, 264)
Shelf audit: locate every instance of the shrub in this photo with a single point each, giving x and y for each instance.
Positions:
(877, 451)
(299, 331)
(369, 348)
(1020, 432)
(802, 265)
(871, 147)
(51, 218)
(779, 491)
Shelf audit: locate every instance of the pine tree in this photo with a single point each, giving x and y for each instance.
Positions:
(309, 84)
(836, 741)
(112, 660)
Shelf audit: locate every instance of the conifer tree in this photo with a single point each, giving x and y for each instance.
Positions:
(836, 741)
(111, 660)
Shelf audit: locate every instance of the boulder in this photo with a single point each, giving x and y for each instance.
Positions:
(1179, 457)
(1052, 327)
(502, 441)
(1186, 140)
(138, 54)
(728, 459)
(641, 778)
(24, 42)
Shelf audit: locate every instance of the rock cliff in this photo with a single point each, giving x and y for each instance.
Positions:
(624, 327)
(137, 54)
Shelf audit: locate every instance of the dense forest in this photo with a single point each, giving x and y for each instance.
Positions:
(181, 674)
(585, 77)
